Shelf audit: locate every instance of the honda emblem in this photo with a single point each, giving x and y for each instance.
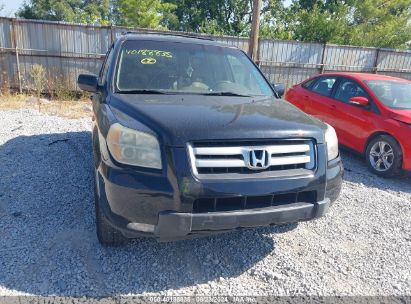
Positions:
(259, 159)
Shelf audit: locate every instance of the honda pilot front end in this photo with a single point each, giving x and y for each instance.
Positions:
(190, 139)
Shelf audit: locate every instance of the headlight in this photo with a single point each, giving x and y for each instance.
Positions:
(332, 142)
(134, 148)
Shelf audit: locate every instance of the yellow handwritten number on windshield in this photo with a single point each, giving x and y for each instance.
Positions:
(148, 61)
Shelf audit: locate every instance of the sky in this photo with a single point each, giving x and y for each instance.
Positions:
(11, 6)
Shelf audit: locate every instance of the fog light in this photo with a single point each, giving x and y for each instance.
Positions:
(141, 227)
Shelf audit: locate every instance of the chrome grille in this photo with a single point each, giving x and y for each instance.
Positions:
(237, 159)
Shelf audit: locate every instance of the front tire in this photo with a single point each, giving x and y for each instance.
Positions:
(384, 156)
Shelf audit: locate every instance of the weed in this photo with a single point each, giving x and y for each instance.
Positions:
(38, 74)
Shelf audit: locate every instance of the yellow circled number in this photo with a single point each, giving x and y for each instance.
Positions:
(148, 61)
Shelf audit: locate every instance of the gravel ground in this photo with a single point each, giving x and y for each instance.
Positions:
(48, 244)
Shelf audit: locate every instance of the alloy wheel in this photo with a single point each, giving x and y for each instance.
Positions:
(381, 156)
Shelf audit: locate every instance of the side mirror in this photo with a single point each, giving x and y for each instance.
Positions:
(360, 101)
(87, 82)
(279, 88)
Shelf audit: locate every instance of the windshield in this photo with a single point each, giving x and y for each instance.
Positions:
(393, 94)
(172, 67)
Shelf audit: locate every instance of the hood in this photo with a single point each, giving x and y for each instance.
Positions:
(401, 115)
(178, 119)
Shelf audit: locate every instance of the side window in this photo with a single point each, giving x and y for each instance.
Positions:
(239, 70)
(324, 86)
(104, 69)
(243, 76)
(347, 89)
(307, 84)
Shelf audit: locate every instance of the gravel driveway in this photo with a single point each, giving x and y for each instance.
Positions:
(48, 244)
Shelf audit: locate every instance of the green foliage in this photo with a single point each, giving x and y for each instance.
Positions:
(276, 20)
(321, 25)
(378, 23)
(229, 17)
(38, 75)
(381, 23)
(143, 13)
(80, 11)
(209, 16)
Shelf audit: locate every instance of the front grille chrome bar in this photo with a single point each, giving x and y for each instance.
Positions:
(281, 149)
(275, 161)
(285, 155)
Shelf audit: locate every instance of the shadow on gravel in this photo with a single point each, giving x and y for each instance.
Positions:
(47, 237)
(356, 171)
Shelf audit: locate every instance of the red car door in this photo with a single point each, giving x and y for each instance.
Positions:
(353, 123)
(317, 99)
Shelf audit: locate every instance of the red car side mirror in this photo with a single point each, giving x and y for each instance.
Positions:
(359, 100)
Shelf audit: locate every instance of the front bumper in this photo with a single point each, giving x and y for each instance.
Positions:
(175, 225)
(165, 201)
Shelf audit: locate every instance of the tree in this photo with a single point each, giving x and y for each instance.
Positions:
(81, 11)
(276, 21)
(144, 13)
(381, 23)
(376, 23)
(97, 11)
(321, 25)
(229, 17)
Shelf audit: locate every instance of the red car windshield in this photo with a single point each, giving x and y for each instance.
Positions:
(393, 94)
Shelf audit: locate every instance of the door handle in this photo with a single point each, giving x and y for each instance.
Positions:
(334, 106)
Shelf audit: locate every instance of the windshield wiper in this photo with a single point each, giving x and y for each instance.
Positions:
(225, 94)
(140, 92)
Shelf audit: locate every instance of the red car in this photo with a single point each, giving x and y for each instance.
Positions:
(371, 114)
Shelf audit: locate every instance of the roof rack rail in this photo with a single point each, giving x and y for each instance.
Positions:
(187, 35)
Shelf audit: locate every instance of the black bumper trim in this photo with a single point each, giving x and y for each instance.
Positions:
(174, 225)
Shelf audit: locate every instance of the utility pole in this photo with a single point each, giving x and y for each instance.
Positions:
(255, 30)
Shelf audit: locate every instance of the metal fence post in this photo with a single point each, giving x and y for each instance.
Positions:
(375, 67)
(322, 59)
(111, 35)
(14, 45)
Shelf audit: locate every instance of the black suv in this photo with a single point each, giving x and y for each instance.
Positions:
(191, 139)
